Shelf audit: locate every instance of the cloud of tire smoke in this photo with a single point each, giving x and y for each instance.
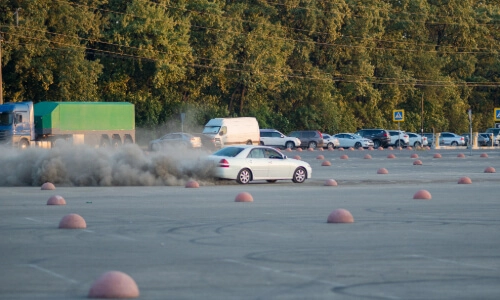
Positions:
(84, 166)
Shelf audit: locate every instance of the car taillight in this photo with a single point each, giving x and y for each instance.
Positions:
(223, 163)
(320, 134)
(462, 138)
(385, 134)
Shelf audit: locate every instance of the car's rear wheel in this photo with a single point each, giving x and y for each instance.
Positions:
(289, 145)
(244, 176)
(376, 143)
(313, 145)
(398, 144)
(357, 145)
(417, 144)
(271, 181)
(454, 144)
(299, 175)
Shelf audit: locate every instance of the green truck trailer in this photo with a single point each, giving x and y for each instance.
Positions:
(45, 124)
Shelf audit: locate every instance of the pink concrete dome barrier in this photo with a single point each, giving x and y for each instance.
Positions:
(391, 156)
(382, 171)
(114, 284)
(464, 180)
(326, 163)
(414, 155)
(299, 149)
(437, 155)
(417, 162)
(422, 195)
(344, 157)
(56, 200)
(484, 155)
(461, 155)
(330, 182)
(192, 184)
(367, 156)
(72, 221)
(48, 186)
(243, 197)
(489, 170)
(320, 157)
(340, 216)
(297, 157)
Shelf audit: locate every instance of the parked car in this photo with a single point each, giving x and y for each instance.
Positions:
(330, 141)
(207, 142)
(308, 138)
(380, 137)
(451, 139)
(272, 137)
(399, 138)
(175, 139)
(483, 139)
(495, 132)
(348, 140)
(245, 163)
(416, 140)
(430, 138)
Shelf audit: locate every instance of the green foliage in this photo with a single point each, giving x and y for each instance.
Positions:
(335, 66)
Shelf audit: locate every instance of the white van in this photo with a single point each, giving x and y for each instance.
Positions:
(230, 131)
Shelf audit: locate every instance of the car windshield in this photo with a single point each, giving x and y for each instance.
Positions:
(211, 129)
(229, 151)
(5, 119)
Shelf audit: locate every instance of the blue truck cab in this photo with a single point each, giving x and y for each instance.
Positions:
(17, 127)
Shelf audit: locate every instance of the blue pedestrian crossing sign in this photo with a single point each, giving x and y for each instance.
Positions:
(497, 114)
(398, 115)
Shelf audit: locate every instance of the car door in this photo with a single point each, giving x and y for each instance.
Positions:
(278, 166)
(258, 163)
(446, 138)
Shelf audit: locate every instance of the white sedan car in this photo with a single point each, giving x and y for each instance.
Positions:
(348, 140)
(416, 140)
(245, 163)
(330, 141)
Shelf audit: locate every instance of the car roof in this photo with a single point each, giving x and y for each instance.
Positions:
(267, 129)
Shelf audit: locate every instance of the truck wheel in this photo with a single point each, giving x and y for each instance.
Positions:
(104, 143)
(116, 143)
(23, 144)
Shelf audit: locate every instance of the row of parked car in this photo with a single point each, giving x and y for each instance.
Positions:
(363, 138)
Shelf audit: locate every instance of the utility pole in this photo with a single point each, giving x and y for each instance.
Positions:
(1, 81)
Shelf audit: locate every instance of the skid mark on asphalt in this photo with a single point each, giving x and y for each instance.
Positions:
(52, 273)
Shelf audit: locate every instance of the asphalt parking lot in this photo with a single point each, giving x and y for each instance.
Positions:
(188, 243)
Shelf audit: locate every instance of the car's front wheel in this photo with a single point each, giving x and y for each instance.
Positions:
(357, 145)
(244, 176)
(417, 144)
(299, 175)
(313, 145)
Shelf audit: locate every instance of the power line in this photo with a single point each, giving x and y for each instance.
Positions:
(332, 77)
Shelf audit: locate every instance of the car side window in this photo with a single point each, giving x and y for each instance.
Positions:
(256, 153)
(275, 135)
(294, 134)
(272, 154)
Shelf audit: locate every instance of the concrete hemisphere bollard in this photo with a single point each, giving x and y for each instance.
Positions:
(48, 186)
(243, 197)
(422, 195)
(489, 170)
(391, 156)
(114, 284)
(437, 155)
(461, 155)
(72, 221)
(192, 184)
(297, 157)
(382, 171)
(326, 163)
(367, 156)
(330, 182)
(464, 180)
(320, 157)
(484, 155)
(344, 156)
(414, 155)
(417, 162)
(56, 200)
(340, 216)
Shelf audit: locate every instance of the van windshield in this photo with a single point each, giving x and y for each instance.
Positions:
(5, 118)
(211, 129)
